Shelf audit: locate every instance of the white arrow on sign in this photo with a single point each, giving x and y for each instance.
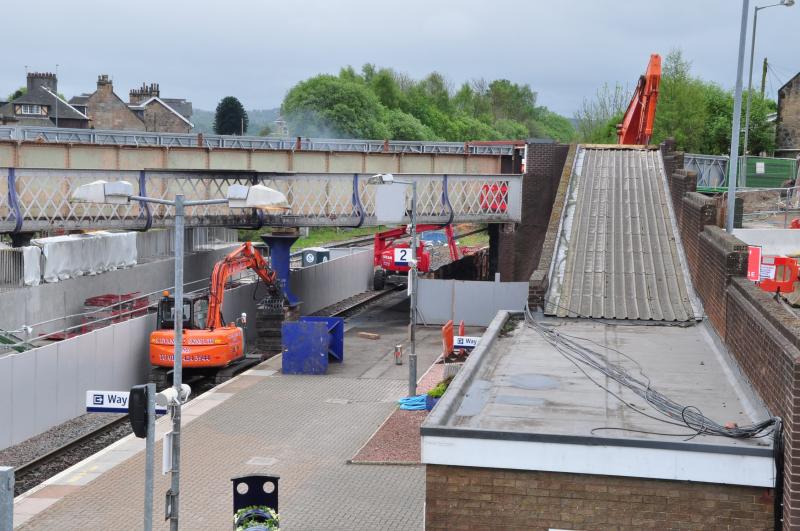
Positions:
(465, 341)
(111, 402)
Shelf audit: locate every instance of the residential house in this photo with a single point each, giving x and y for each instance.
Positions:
(106, 110)
(40, 105)
(788, 130)
(145, 110)
(160, 114)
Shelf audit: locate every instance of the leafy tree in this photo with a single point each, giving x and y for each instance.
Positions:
(594, 117)
(230, 117)
(17, 93)
(265, 131)
(332, 106)
(382, 103)
(403, 126)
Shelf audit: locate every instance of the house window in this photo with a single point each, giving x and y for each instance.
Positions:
(31, 109)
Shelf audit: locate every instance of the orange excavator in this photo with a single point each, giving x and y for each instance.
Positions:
(208, 342)
(637, 123)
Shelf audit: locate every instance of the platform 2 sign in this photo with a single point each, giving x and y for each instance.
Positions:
(111, 402)
(465, 341)
(401, 256)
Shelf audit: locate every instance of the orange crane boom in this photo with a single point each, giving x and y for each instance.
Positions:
(208, 342)
(245, 257)
(637, 123)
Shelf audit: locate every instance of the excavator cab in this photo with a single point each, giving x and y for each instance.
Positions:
(195, 312)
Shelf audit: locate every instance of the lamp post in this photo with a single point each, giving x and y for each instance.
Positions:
(239, 196)
(737, 120)
(388, 178)
(756, 9)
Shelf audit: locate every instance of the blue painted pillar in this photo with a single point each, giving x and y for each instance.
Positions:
(280, 246)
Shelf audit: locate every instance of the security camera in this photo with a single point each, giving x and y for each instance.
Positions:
(169, 397)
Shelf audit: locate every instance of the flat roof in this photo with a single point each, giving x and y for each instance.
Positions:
(523, 390)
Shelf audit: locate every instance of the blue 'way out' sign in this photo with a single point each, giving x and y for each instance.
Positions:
(110, 402)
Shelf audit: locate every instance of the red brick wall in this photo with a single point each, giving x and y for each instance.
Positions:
(521, 244)
(697, 211)
(538, 281)
(485, 498)
(760, 333)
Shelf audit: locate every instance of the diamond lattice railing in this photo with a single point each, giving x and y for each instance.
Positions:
(42, 196)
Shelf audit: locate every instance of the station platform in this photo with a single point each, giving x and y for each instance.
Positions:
(303, 428)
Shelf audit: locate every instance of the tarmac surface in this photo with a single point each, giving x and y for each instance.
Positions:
(302, 428)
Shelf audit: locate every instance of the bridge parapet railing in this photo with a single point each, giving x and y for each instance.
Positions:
(712, 170)
(39, 199)
(145, 139)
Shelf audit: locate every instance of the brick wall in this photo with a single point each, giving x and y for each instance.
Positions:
(788, 127)
(484, 498)
(696, 211)
(761, 334)
(519, 245)
(680, 183)
(160, 119)
(108, 111)
(538, 281)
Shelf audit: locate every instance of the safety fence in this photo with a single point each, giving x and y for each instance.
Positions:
(474, 302)
(754, 172)
(766, 207)
(45, 384)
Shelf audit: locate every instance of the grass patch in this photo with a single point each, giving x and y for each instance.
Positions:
(317, 236)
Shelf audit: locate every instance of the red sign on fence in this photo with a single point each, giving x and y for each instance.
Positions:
(753, 262)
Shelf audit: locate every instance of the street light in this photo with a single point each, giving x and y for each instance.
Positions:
(737, 120)
(785, 3)
(239, 196)
(388, 178)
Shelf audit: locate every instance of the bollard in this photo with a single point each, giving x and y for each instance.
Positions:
(6, 498)
(398, 354)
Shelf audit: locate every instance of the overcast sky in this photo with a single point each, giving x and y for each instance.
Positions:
(204, 50)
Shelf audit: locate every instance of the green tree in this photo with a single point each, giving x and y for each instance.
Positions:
(403, 126)
(594, 117)
(332, 106)
(265, 131)
(17, 93)
(230, 117)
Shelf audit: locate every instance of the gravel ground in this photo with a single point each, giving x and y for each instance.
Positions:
(347, 303)
(36, 446)
(397, 440)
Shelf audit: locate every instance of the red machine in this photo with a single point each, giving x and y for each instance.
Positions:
(391, 256)
(637, 123)
(208, 342)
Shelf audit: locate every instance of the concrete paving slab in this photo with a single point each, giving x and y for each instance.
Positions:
(303, 428)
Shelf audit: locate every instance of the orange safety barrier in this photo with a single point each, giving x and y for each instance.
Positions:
(447, 338)
(786, 271)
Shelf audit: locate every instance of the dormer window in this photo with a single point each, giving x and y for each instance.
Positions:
(30, 109)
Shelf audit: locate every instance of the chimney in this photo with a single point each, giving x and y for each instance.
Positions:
(104, 83)
(144, 93)
(39, 79)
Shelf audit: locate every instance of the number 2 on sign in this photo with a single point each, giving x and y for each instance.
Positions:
(401, 256)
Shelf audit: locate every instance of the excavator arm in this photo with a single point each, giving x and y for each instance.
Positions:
(245, 257)
(637, 123)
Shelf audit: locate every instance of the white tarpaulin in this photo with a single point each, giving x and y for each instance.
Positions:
(31, 265)
(86, 254)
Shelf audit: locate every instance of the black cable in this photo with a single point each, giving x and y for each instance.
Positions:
(690, 416)
(777, 452)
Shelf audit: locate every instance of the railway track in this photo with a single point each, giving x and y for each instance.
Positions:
(45, 466)
(37, 470)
